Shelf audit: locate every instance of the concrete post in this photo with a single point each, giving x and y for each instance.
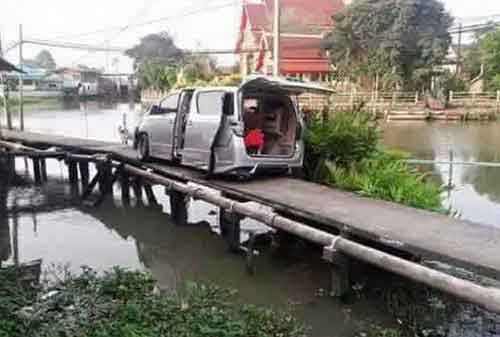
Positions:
(340, 272)
(125, 187)
(179, 208)
(230, 229)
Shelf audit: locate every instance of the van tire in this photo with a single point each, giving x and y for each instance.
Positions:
(143, 147)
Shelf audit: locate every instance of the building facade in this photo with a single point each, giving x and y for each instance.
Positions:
(303, 26)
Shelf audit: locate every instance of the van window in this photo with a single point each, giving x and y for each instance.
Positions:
(210, 103)
(169, 104)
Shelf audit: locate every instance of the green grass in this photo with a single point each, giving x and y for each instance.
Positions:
(124, 304)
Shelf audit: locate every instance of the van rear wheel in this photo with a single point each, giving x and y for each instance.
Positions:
(143, 147)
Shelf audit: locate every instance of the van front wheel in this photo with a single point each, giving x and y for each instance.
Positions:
(143, 147)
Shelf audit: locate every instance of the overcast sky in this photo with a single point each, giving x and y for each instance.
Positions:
(194, 24)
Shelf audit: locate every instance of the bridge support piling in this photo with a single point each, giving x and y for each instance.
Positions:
(340, 272)
(125, 187)
(230, 229)
(137, 187)
(105, 176)
(72, 173)
(150, 195)
(37, 174)
(43, 168)
(179, 207)
(84, 174)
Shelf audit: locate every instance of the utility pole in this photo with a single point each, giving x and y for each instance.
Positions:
(277, 34)
(459, 50)
(21, 79)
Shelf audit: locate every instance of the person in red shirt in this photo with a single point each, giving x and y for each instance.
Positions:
(254, 136)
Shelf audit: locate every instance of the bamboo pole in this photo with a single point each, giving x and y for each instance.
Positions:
(488, 298)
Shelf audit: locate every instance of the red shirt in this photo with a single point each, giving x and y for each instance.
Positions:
(255, 139)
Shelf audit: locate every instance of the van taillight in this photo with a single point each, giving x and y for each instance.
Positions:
(238, 130)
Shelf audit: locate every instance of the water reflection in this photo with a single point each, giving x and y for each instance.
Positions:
(144, 237)
(476, 192)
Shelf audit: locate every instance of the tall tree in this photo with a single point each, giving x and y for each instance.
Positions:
(490, 52)
(45, 60)
(402, 38)
(155, 47)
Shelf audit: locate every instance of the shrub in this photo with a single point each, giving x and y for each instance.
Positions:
(123, 303)
(344, 139)
(344, 152)
(388, 178)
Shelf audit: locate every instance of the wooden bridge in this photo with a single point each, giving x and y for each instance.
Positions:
(384, 234)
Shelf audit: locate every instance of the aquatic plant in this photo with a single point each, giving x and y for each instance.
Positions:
(385, 177)
(125, 303)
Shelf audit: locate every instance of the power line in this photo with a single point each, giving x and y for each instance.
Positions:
(158, 20)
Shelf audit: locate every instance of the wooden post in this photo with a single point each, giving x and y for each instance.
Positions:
(8, 113)
(84, 174)
(150, 195)
(72, 172)
(450, 178)
(37, 175)
(43, 169)
(125, 187)
(105, 176)
(230, 229)
(21, 79)
(179, 207)
(137, 186)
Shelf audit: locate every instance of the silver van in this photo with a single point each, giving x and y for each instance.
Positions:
(228, 130)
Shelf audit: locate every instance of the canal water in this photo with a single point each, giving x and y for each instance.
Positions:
(47, 223)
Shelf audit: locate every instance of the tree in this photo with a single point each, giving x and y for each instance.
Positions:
(157, 75)
(155, 47)
(157, 61)
(473, 54)
(490, 54)
(45, 60)
(402, 38)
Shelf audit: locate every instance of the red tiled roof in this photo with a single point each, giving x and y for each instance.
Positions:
(298, 54)
(308, 14)
(258, 16)
(299, 47)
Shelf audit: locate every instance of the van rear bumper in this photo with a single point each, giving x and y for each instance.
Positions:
(243, 162)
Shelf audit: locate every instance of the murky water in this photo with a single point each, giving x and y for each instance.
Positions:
(476, 190)
(52, 226)
(47, 223)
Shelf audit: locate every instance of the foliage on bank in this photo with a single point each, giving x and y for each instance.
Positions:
(124, 303)
(344, 152)
(400, 40)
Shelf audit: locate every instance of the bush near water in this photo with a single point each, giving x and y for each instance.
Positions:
(345, 152)
(123, 303)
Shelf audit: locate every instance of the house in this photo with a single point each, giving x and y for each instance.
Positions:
(81, 80)
(303, 26)
(33, 76)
